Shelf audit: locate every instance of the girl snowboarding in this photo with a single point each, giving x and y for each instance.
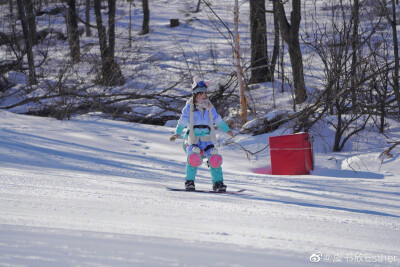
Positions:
(199, 115)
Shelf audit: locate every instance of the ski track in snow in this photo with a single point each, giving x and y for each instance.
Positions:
(92, 191)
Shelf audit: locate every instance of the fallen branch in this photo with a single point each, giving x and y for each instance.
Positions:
(248, 152)
(387, 151)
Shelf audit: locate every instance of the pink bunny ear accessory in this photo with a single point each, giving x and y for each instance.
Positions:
(196, 81)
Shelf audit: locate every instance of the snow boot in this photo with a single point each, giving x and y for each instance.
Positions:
(219, 186)
(189, 185)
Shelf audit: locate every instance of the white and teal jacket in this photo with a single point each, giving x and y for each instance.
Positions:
(200, 120)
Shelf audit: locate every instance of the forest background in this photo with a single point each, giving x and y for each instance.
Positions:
(302, 65)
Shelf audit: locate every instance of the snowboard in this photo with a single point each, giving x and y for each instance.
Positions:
(237, 192)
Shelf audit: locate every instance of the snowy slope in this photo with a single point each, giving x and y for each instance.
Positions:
(91, 191)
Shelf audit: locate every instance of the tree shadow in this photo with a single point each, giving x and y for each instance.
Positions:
(331, 173)
(319, 206)
(36, 151)
(347, 174)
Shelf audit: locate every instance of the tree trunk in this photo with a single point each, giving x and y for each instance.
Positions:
(282, 65)
(339, 130)
(239, 69)
(382, 107)
(87, 19)
(198, 6)
(130, 23)
(73, 36)
(30, 14)
(259, 53)
(28, 41)
(290, 33)
(396, 55)
(11, 6)
(146, 17)
(275, 52)
(111, 26)
(101, 29)
(354, 60)
(111, 72)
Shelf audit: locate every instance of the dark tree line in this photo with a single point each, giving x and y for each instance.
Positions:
(30, 48)
(111, 73)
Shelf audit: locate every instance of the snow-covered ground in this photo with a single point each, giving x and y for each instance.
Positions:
(92, 192)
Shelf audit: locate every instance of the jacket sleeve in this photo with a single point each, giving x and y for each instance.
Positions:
(219, 121)
(184, 120)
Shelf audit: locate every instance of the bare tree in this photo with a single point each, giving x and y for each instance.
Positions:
(73, 35)
(354, 43)
(259, 52)
(392, 19)
(198, 6)
(28, 40)
(11, 6)
(290, 33)
(130, 22)
(379, 90)
(87, 18)
(333, 42)
(239, 69)
(275, 52)
(111, 72)
(111, 27)
(146, 17)
(30, 14)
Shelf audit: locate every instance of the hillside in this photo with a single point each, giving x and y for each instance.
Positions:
(92, 191)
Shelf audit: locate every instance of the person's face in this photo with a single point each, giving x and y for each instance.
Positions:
(201, 95)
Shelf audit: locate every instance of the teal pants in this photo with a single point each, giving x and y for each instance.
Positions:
(216, 173)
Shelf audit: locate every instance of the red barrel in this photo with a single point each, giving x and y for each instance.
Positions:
(291, 154)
